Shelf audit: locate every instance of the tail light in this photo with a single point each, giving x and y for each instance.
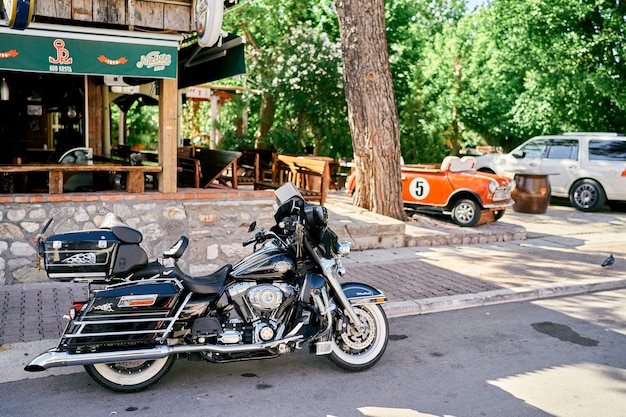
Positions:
(75, 309)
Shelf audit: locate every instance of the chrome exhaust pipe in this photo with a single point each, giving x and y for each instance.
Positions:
(55, 358)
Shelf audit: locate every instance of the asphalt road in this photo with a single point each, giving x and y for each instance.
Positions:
(555, 357)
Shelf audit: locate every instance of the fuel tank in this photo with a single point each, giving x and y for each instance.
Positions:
(268, 262)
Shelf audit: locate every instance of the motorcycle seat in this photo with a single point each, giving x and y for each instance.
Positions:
(209, 284)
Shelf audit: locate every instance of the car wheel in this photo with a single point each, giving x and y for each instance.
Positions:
(587, 195)
(497, 215)
(466, 213)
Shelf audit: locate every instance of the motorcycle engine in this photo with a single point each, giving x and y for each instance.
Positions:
(263, 306)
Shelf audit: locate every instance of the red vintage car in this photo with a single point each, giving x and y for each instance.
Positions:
(455, 188)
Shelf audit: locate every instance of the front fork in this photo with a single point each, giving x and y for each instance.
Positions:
(329, 266)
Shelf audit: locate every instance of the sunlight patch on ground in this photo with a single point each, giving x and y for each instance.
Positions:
(579, 390)
(393, 412)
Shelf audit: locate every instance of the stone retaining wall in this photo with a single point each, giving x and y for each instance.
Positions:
(215, 227)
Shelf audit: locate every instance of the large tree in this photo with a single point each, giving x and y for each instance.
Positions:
(372, 112)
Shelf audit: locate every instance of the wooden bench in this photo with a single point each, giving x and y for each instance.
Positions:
(247, 163)
(261, 159)
(310, 174)
(134, 182)
(189, 172)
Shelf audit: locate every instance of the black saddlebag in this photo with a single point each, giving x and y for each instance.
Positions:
(127, 314)
(93, 255)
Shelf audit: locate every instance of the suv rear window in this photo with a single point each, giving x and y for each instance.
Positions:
(607, 150)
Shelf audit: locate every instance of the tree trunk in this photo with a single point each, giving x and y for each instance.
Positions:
(266, 120)
(372, 112)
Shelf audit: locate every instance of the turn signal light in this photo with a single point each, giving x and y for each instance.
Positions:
(76, 307)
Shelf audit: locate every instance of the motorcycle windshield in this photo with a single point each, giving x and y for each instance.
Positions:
(286, 192)
(288, 201)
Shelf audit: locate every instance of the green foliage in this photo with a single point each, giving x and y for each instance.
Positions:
(233, 125)
(413, 28)
(294, 56)
(497, 75)
(509, 71)
(546, 67)
(142, 125)
(308, 90)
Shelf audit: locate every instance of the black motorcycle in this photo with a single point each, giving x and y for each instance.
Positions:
(142, 315)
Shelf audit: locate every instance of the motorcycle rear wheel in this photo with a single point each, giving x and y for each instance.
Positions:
(356, 350)
(130, 376)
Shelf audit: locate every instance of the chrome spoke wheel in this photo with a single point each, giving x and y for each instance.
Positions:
(356, 349)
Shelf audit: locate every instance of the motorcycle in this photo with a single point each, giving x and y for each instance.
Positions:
(141, 315)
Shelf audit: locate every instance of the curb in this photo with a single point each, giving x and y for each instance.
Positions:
(462, 301)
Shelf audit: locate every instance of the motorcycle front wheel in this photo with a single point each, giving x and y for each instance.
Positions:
(356, 349)
(130, 376)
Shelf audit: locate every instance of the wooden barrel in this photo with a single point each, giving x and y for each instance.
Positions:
(531, 193)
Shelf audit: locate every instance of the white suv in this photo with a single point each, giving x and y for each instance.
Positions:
(589, 168)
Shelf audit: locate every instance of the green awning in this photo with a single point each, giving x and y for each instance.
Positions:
(198, 65)
(76, 50)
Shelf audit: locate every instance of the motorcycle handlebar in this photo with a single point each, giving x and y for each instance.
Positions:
(249, 241)
(259, 237)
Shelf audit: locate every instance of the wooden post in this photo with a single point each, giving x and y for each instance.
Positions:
(95, 116)
(135, 182)
(168, 134)
(55, 182)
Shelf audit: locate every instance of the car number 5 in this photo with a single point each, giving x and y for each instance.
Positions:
(419, 188)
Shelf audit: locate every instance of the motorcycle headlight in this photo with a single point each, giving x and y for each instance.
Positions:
(343, 248)
(316, 216)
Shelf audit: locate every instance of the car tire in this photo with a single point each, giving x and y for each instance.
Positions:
(587, 195)
(497, 215)
(466, 212)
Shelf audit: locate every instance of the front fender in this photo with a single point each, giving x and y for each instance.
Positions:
(462, 193)
(359, 293)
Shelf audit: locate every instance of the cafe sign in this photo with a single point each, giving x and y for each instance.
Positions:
(54, 49)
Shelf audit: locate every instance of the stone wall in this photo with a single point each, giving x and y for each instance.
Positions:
(215, 227)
